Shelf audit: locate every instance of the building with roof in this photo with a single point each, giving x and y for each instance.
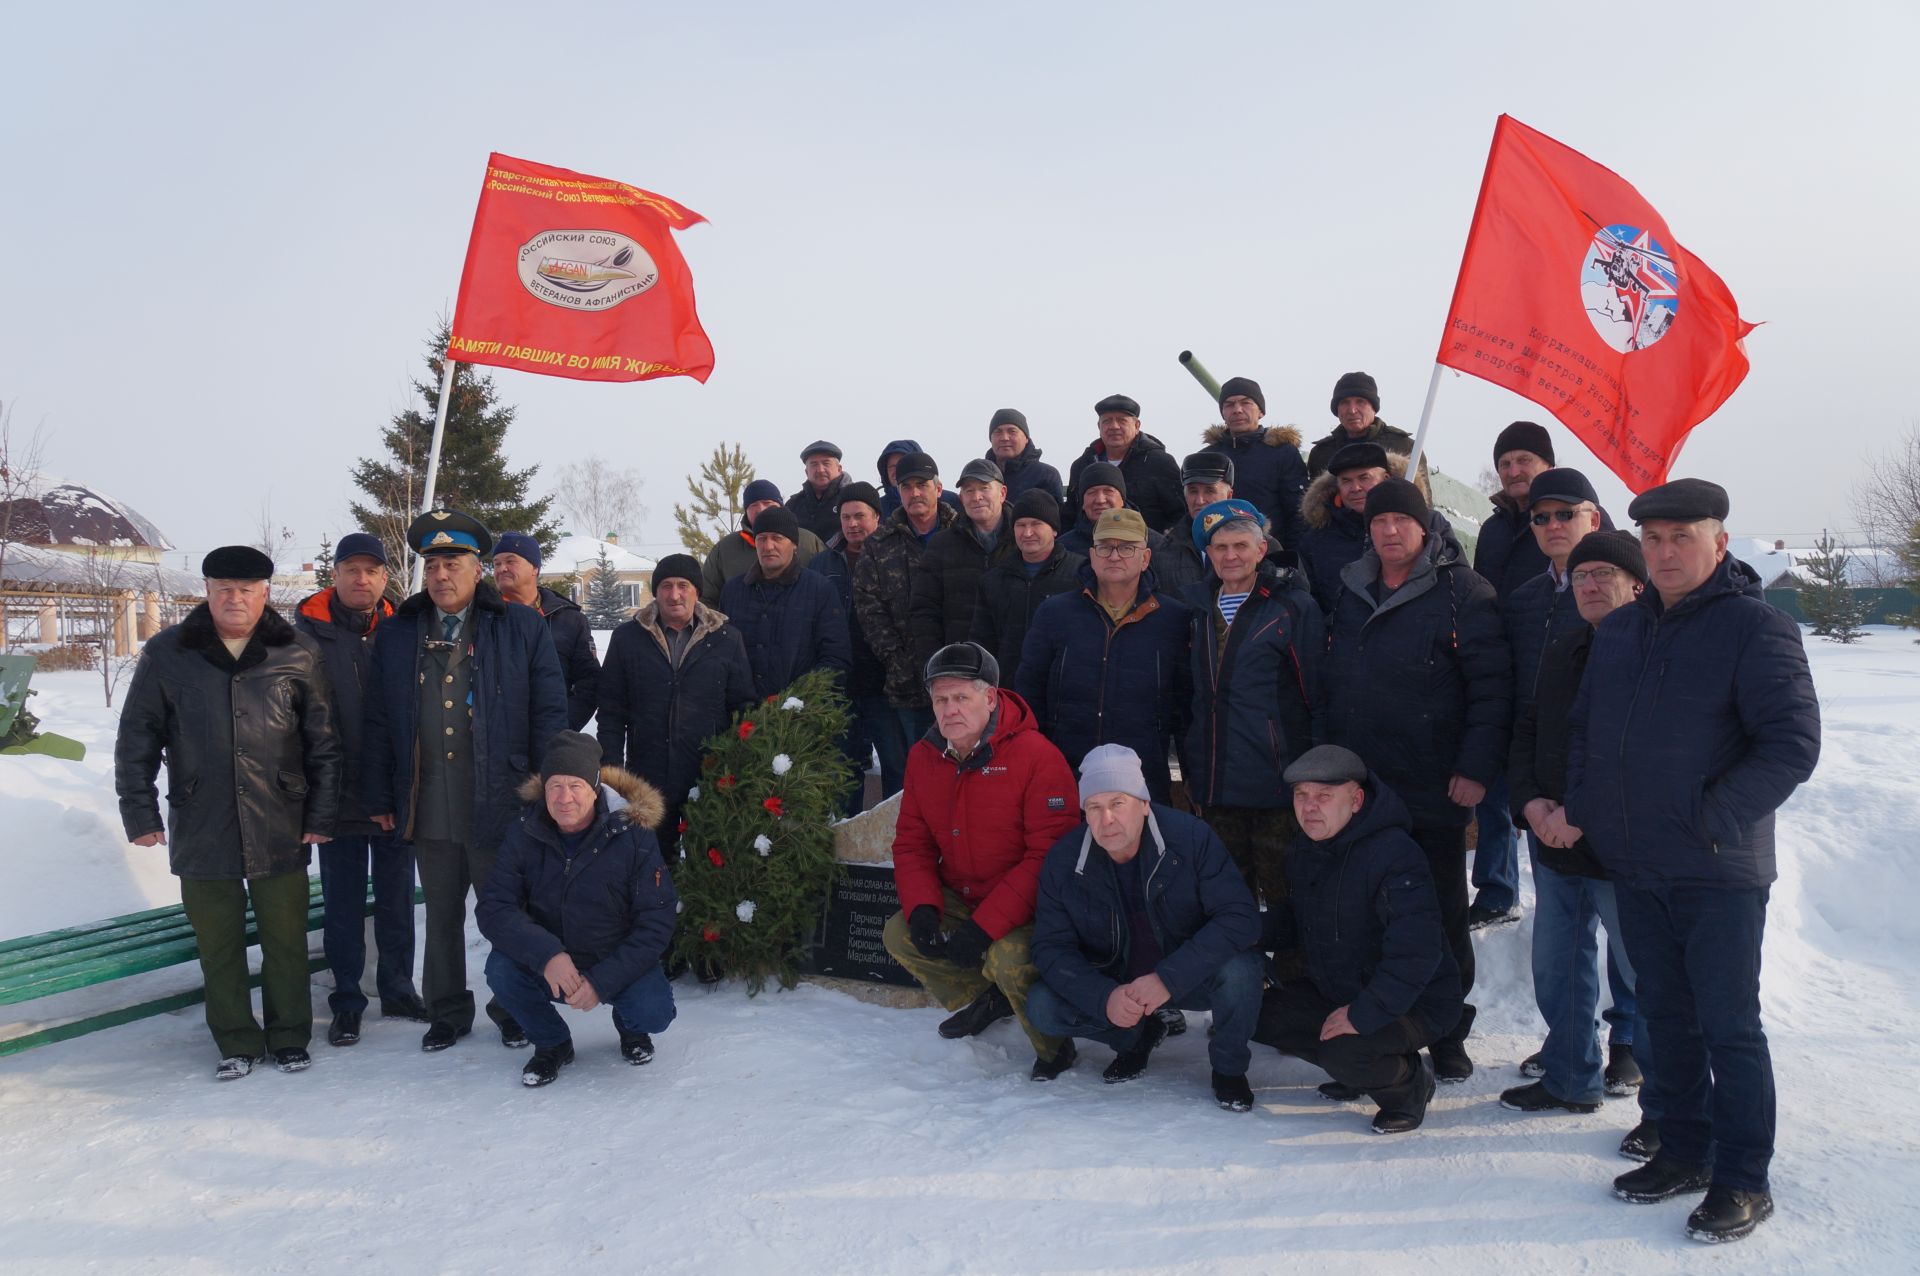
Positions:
(569, 566)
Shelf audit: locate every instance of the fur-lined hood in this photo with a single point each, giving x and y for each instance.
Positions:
(628, 799)
(1277, 435)
(1322, 495)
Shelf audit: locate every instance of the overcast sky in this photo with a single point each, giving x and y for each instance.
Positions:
(229, 230)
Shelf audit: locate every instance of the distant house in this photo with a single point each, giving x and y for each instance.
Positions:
(569, 566)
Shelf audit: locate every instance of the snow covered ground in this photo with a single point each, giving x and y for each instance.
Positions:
(808, 1132)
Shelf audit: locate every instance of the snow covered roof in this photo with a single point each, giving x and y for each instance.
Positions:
(582, 553)
(69, 514)
(28, 566)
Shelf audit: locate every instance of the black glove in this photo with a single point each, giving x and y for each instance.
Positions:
(968, 945)
(923, 927)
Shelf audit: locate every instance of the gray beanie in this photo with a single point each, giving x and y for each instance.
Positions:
(1112, 768)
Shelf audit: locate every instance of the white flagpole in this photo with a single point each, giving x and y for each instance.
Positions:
(1419, 436)
(440, 430)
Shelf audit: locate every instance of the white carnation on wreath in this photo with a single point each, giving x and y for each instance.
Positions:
(782, 764)
(744, 911)
(693, 794)
(679, 906)
(762, 844)
(793, 704)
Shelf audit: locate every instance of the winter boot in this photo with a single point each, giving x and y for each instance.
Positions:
(344, 1030)
(233, 1067)
(1132, 1061)
(441, 1035)
(1341, 1092)
(512, 1035)
(1232, 1093)
(1450, 1062)
(1176, 1020)
(405, 1008)
(1532, 1067)
(1728, 1214)
(546, 1064)
(1661, 1179)
(292, 1059)
(636, 1048)
(1481, 916)
(1623, 1074)
(1642, 1142)
(1050, 1069)
(978, 1015)
(1535, 1097)
(1404, 1107)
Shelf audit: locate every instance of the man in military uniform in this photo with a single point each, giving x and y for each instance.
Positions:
(466, 690)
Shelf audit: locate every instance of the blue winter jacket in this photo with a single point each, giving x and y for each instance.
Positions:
(1420, 684)
(1362, 909)
(1026, 472)
(1259, 703)
(1506, 554)
(1090, 682)
(610, 906)
(1197, 903)
(1536, 614)
(1268, 471)
(519, 701)
(792, 624)
(1692, 725)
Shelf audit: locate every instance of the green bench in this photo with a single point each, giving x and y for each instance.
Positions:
(36, 966)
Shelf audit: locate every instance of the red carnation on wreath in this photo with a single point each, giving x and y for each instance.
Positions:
(718, 860)
(772, 698)
(775, 807)
(709, 934)
(683, 824)
(746, 727)
(725, 782)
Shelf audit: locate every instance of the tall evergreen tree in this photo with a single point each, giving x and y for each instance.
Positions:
(474, 476)
(716, 506)
(1827, 596)
(323, 564)
(606, 599)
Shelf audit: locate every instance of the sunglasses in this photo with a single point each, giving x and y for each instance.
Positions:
(1555, 516)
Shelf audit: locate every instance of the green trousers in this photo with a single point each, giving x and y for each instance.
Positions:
(218, 913)
(1008, 965)
(1256, 838)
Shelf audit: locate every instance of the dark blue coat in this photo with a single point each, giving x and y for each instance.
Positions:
(1506, 554)
(519, 701)
(1090, 682)
(1197, 903)
(869, 676)
(1268, 472)
(1362, 909)
(1331, 535)
(1421, 684)
(579, 661)
(1009, 598)
(1260, 703)
(1536, 614)
(654, 717)
(349, 664)
(610, 907)
(1692, 725)
(791, 625)
(1026, 472)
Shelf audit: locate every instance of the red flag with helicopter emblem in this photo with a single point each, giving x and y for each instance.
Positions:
(577, 276)
(1574, 293)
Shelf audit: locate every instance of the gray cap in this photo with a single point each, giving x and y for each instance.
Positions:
(1686, 500)
(1112, 768)
(962, 660)
(1327, 764)
(981, 470)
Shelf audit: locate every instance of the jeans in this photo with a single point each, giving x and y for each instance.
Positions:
(1384, 1063)
(343, 881)
(894, 733)
(1696, 955)
(871, 718)
(1567, 913)
(1446, 851)
(1496, 859)
(1232, 995)
(645, 1005)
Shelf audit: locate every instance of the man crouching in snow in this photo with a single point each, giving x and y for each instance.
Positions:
(1157, 916)
(1381, 981)
(580, 908)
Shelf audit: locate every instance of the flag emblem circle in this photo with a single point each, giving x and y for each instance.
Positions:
(587, 270)
(1629, 287)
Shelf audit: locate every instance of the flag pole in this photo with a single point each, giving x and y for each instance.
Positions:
(1426, 415)
(433, 458)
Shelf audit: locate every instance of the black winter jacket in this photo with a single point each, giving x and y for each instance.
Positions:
(1507, 553)
(1537, 761)
(1026, 472)
(1261, 702)
(791, 624)
(1331, 535)
(1692, 726)
(610, 906)
(946, 583)
(1361, 906)
(252, 755)
(1420, 684)
(1153, 481)
(1008, 599)
(349, 664)
(815, 510)
(1536, 614)
(579, 659)
(1268, 472)
(1197, 903)
(869, 676)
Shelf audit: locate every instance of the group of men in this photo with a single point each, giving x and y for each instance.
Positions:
(1300, 634)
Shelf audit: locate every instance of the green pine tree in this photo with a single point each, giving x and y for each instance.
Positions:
(473, 469)
(606, 597)
(715, 508)
(323, 565)
(756, 850)
(1827, 595)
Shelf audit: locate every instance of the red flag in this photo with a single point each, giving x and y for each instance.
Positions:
(1574, 293)
(577, 276)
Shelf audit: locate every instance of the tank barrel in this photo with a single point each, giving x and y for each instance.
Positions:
(1200, 374)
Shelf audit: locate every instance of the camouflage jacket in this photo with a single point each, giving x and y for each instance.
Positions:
(883, 603)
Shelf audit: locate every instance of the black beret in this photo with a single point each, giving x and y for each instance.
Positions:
(1243, 385)
(1009, 416)
(1566, 485)
(1524, 436)
(1396, 496)
(915, 465)
(861, 492)
(1327, 764)
(1116, 403)
(963, 660)
(1038, 503)
(1685, 500)
(1616, 547)
(777, 520)
(820, 447)
(676, 567)
(236, 562)
(1207, 467)
(1354, 385)
(1365, 455)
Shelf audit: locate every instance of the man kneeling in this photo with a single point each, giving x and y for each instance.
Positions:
(579, 907)
(1159, 917)
(1381, 981)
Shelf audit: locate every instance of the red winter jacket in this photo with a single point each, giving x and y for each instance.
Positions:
(981, 828)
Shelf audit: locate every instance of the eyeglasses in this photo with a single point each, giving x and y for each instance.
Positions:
(1117, 549)
(1549, 516)
(1602, 576)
